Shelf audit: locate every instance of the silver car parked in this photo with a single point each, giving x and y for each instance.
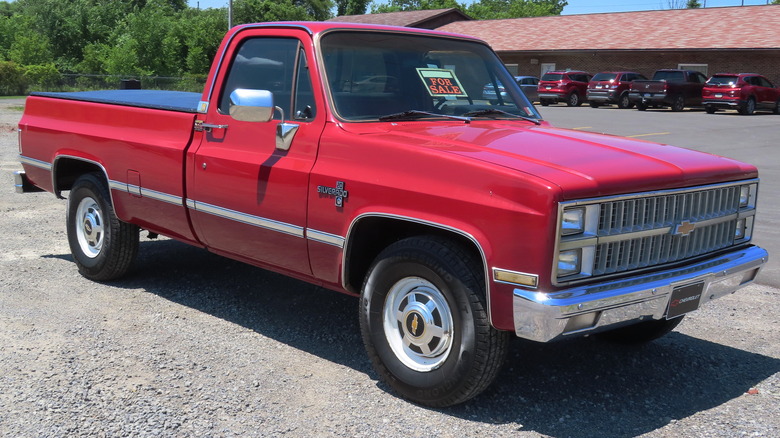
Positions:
(527, 83)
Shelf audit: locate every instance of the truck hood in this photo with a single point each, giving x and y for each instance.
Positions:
(582, 164)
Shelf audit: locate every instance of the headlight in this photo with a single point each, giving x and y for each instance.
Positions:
(739, 231)
(744, 196)
(569, 262)
(573, 221)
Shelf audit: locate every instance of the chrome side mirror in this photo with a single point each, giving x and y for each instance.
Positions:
(251, 105)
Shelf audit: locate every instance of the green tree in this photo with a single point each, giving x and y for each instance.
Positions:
(351, 7)
(498, 9)
(482, 10)
(254, 11)
(693, 4)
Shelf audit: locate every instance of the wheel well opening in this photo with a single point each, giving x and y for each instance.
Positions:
(67, 171)
(371, 235)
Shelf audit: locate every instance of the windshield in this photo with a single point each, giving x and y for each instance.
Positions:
(373, 75)
(604, 77)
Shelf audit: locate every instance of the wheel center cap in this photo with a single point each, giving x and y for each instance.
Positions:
(415, 324)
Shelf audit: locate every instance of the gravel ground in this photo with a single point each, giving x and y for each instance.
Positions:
(191, 344)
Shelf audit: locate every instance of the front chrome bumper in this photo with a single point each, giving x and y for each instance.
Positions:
(543, 317)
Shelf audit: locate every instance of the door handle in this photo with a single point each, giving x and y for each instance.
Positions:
(200, 126)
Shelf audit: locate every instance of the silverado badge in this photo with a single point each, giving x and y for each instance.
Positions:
(338, 192)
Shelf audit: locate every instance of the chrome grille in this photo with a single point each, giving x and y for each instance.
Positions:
(640, 231)
(659, 249)
(631, 215)
(625, 216)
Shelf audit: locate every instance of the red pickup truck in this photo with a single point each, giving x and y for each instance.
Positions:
(673, 88)
(364, 159)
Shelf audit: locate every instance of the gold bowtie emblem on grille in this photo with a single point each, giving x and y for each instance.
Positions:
(414, 326)
(684, 228)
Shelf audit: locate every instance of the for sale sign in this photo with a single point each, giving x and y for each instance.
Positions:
(441, 82)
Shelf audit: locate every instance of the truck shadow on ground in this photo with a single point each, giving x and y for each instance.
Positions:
(559, 389)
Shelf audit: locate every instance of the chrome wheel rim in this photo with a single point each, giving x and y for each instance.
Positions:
(418, 324)
(90, 230)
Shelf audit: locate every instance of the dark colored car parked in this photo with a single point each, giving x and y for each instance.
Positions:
(611, 87)
(673, 88)
(744, 92)
(563, 86)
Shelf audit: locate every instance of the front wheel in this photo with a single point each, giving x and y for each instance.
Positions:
(103, 247)
(678, 104)
(748, 108)
(573, 99)
(641, 106)
(710, 109)
(624, 102)
(424, 322)
(593, 104)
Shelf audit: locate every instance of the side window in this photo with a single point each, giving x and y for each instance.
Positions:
(304, 95)
(263, 64)
(765, 82)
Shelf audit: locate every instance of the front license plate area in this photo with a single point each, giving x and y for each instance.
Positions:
(684, 299)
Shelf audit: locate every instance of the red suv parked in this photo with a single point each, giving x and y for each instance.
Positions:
(611, 87)
(744, 92)
(565, 86)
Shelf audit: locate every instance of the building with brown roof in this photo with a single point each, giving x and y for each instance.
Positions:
(711, 40)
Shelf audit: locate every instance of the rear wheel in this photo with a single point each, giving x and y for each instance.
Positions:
(643, 332)
(710, 109)
(641, 106)
(776, 108)
(678, 104)
(624, 102)
(593, 104)
(103, 247)
(424, 322)
(544, 102)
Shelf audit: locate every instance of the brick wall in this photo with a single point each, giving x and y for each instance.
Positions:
(765, 62)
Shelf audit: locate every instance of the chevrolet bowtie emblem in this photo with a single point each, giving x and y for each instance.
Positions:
(684, 228)
(414, 326)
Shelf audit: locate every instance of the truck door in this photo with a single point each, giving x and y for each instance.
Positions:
(247, 198)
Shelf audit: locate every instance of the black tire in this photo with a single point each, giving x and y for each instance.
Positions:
(776, 109)
(641, 106)
(710, 109)
(594, 104)
(624, 102)
(424, 322)
(103, 247)
(749, 107)
(643, 332)
(573, 99)
(678, 103)
(543, 102)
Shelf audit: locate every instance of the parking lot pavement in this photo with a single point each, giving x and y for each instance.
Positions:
(752, 139)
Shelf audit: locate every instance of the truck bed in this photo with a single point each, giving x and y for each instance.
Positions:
(181, 101)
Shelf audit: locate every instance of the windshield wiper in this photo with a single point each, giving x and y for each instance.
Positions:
(417, 114)
(496, 112)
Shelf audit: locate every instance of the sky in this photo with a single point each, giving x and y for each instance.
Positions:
(578, 6)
